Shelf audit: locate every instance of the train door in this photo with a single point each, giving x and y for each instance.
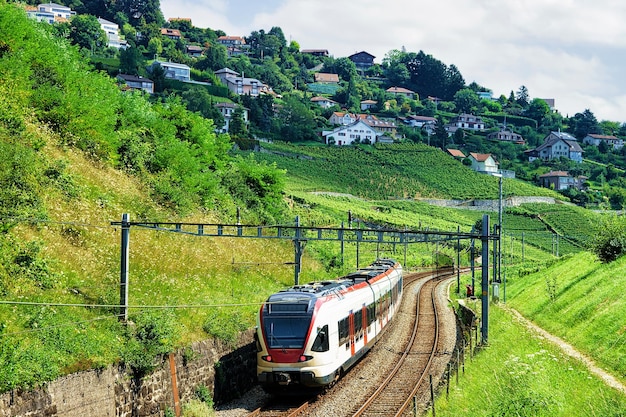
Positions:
(352, 337)
(364, 323)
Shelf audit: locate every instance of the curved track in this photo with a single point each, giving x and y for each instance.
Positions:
(396, 392)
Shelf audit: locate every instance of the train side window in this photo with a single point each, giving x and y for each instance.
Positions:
(344, 331)
(320, 344)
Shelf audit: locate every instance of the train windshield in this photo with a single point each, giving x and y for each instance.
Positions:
(286, 332)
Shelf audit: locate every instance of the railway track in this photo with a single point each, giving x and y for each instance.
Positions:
(410, 375)
(292, 408)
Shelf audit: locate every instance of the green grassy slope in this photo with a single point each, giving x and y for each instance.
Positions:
(580, 300)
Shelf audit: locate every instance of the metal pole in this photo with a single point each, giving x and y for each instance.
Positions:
(458, 259)
(299, 249)
(472, 256)
(123, 312)
(485, 281)
(342, 244)
(500, 231)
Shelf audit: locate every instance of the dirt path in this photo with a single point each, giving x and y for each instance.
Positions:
(569, 350)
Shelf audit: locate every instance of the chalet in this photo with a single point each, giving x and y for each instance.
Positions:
(174, 71)
(241, 85)
(506, 135)
(613, 142)
(227, 110)
(133, 82)
(368, 104)
(362, 60)
(399, 91)
(235, 45)
(385, 127)
(231, 40)
(483, 163)
(561, 180)
(418, 121)
(557, 145)
(357, 132)
(381, 126)
(323, 102)
(326, 78)
(173, 34)
(194, 50)
(341, 118)
(112, 31)
(315, 52)
(465, 121)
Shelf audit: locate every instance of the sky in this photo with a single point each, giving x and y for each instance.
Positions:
(573, 51)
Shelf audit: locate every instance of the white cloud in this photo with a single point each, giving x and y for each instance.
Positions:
(569, 50)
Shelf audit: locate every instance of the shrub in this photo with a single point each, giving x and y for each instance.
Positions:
(610, 242)
(152, 335)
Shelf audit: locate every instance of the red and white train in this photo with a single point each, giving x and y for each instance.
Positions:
(309, 335)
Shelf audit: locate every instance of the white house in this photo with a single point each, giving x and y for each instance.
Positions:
(323, 102)
(57, 10)
(49, 12)
(134, 82)
(241, 85)
(112, 31)
(557, 145)
(227, 110)
(341, 118)
(368, 104)
(174, 71)
(483, 163)
(595, 140)
(356, 132)
(466, 121)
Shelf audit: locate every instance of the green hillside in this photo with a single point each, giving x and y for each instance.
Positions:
(78, 153)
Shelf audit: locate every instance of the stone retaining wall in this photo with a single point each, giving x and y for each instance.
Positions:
(113, 392)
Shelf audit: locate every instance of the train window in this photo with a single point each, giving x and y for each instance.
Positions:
(358, 321)
(344, 331)
(371, 313)
(321, 341)
(286, 332)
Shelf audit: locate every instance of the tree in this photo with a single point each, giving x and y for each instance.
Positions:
(585, 123)
(237, 126)
(85, 31)
(131, 60)
(466, 100)
(522, 96)
(398, 74)
(537, 110)
(155, 47)
(296, 121)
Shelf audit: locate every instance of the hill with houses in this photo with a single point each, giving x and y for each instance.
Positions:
(276, 91)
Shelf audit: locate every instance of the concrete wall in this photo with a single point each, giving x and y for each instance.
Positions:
(488, 205)
(113, 392)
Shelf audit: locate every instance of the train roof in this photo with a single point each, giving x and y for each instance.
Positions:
(324, 288)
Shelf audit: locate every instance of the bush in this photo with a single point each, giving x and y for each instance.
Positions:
(152, 335)
(610, 242)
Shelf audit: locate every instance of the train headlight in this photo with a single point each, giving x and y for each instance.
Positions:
(304, 358)
(267, 358)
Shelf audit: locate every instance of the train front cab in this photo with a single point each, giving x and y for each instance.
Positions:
(283, 358)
